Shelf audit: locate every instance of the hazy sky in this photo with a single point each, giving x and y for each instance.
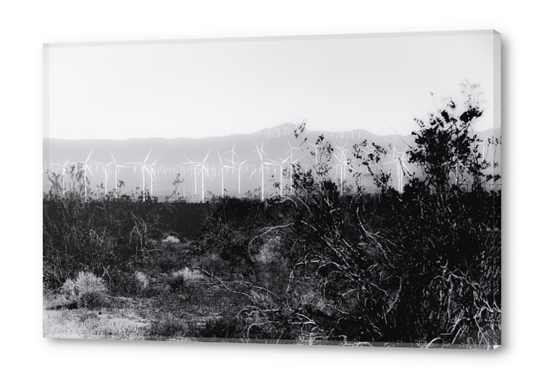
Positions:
(206, 88)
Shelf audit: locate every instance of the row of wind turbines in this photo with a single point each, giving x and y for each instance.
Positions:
(229, 163)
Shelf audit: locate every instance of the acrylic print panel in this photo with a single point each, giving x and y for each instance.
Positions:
(339, 190)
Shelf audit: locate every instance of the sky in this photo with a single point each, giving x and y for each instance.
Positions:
(202, 88)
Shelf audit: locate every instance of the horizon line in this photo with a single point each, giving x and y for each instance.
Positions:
(245, 134)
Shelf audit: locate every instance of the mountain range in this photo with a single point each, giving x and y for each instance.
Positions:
(170, 156)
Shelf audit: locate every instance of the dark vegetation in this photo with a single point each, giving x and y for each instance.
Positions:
(419, 267)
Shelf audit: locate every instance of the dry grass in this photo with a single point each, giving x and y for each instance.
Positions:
(86, 324)
(122, 323)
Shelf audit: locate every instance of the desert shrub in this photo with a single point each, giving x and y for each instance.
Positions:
(102, 233)
(451, 264)
(185, 281)
(169, 258)
(449, 235)
(229, 229)
(188, 275)
(124, 283)
(408, 266)
(87, 291)
(142, 281)
(167, 326)
(175, 282)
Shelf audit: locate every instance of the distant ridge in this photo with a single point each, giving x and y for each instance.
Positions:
(172, 154)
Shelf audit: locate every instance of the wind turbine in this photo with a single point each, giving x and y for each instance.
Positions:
(359, 134)
(239, 167)
(343, 162)
(116, 169)
(105, 169)
(339, 167)
(86, 167)
(144, 168)
(292, 161)
(193, 167)
(204, 171)
(483, 143)
(64, 175)
(316, 146)
(280, 164)
(363, 159)
(399, 160)
(261, 154)
(222, 166)
(152, 173)
(233, 154)
(286, 131)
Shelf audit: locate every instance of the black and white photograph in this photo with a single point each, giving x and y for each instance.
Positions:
(338, 190)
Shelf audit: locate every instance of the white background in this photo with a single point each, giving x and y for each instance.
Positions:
(26, 25)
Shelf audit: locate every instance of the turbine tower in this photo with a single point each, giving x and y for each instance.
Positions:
(86, 168)
(343, 162)
(402, 169)
(152, 173)
(239, 168)
(222, 166)
(233, 154)
(280, 164)
(292, 161)
(263, 162)
(204, 171)
(105, 169)
(116, 170)
(64, 175)
(144, 168)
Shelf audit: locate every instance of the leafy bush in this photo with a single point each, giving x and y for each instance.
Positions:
(408, 265)
(87, 291)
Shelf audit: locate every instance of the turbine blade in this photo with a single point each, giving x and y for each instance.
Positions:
(89, 155)
(207, 156)
(404, 153)
(147, 156)
(89, 170)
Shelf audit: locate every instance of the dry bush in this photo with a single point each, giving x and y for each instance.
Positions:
(86, 291)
